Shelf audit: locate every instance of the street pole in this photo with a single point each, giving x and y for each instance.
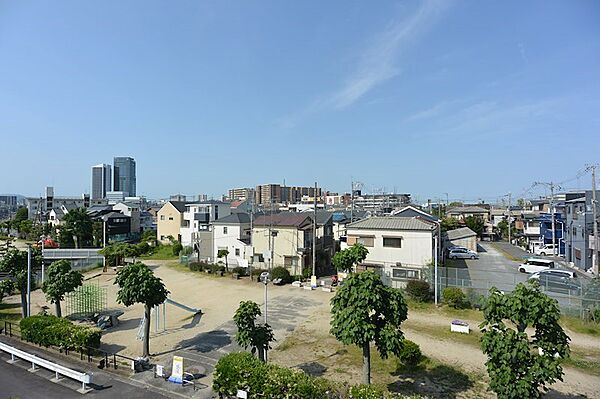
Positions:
(435, 265)
(266, 281)
(314, 246)
(553, 219)
(28, 280)
(351, 200)
(595, 223)
(509, 221)
(42, 239)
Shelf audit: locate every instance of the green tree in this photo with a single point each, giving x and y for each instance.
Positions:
(98, 233)
(138, 284)
(60, 281)
(21, 215)
(251, 334)
(224, 253)
(25, 228)
(476, 224)
(364, 310)
(7, 287)
(14, 262)
(449, 223)
(346, 259)
(520, 365)
(78, 225)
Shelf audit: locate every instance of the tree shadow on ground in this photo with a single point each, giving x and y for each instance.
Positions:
(313, 368)
(552, 394)
(204, 342)
(440, 381)
(125, 325)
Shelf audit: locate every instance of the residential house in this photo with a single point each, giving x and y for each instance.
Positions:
(170, 220)
(133, 211)
(117, 227)
(199, 217)
(463, 212)
(232, 233)
(56, 215)
(410, 211)
(283, 239)
(400, 248)
(579, 230)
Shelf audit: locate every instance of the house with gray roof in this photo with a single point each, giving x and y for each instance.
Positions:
(461, 237)
(400, 248)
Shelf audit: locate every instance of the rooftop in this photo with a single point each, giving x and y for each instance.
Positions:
(283, 219)
(462, 232)
(392, 223)
(234, 218)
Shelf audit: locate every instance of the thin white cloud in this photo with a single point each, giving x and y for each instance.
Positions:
(377, 63)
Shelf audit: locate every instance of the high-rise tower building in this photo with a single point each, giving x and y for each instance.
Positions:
(124, 175)
(101, 180)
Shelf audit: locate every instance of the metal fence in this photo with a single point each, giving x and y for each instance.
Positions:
(92, 355)
(574, 302)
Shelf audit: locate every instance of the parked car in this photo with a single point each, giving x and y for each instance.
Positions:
(462, 253)
(546, 249)
(534, 265)
(561, 281)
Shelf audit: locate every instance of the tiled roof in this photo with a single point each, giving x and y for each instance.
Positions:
(460, 233)
(234, 218)
(468, 209)
(282, 219)
(392, 223)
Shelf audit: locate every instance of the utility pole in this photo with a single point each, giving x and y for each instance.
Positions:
(509, 216)
(351, 200)
(595, 222)
(314, 246)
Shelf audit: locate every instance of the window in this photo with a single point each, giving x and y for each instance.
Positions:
(162, 217)
(224, 230)
(392, 242)
(162, 238)
(366, 241)
(406, 274)
(170, 217)
(237, 252)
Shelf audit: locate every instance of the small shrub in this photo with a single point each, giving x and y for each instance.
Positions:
(454, 297)
(418, 290)
(366, 392)
(177, 248)
(410, 355)
(307, 272)
(49, 330)
(282, 273)
(297, 277)
(198, 266)
(143, 248)
(596, 315)
(215, 268)
(258, 272)
(241, 271)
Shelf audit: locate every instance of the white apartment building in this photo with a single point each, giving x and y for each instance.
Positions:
(232, 233)
(199, 216)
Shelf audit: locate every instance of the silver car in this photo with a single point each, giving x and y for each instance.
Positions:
(462, 253)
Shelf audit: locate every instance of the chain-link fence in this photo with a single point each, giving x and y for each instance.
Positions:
(579, 299)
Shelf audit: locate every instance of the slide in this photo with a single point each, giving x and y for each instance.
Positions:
(182, 306)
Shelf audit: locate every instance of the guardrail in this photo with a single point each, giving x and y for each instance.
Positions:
(59, 370)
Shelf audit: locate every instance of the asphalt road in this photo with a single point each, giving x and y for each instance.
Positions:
(17, 382)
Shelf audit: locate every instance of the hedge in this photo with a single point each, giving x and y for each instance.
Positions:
(48, 330)
(410, 354)
(282, 273)
(243, 371)
(455, 297)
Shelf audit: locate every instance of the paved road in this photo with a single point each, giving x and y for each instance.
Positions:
(17, 382)
(491, 269)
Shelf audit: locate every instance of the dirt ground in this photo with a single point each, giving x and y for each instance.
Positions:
(303, 338)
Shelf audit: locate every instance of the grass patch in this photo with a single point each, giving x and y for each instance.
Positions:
(577, 325)
(161, 252)
(10, 311)
(506, 254)
(431, 308)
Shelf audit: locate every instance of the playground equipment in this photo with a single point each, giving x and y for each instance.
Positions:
(86, 300)
(157, 313)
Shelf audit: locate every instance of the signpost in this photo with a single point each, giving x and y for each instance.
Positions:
(177, 370)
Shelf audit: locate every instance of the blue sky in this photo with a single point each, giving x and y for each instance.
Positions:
(474, 99)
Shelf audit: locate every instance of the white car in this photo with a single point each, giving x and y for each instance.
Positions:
(462, 253)
(534, 265)
(546, 249)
